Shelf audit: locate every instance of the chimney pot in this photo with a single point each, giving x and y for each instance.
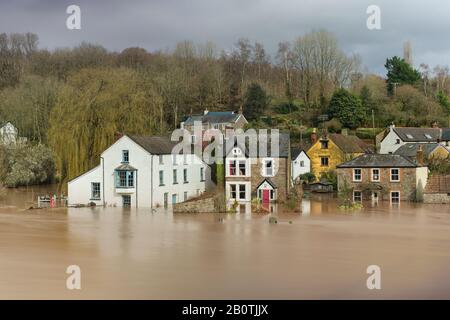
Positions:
(314, 136)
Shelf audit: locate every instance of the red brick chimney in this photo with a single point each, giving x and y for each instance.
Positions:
(118, 135)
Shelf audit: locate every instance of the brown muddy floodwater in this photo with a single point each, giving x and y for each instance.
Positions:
(140, 254)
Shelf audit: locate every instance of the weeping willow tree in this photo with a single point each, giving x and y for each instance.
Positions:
(92, 107)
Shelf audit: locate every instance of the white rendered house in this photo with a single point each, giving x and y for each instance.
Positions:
(397, 137)
(8, 133)
(139, 171)
(300, 163)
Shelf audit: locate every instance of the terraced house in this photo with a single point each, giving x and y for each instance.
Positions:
(330, 150)
(382, 177)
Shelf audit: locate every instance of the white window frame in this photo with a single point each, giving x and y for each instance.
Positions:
(372, 177)
(127, 153)
(237, 172)
(390, 176)
(264, 168)
(360, 196)
(99, 191)
(237, 186)
(354, 175)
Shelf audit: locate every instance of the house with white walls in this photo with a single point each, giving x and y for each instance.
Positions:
(141, 171)
(8, 133)
(300, 163)
(396, 137)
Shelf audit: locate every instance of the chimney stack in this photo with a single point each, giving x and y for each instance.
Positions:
(344, 131)
(314, 136)
(118, 135)
(420, 156)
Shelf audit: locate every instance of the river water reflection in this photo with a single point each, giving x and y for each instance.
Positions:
(144, 254)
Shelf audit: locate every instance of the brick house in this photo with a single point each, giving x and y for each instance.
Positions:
(266, 177)
(382, 177)
(437, 189)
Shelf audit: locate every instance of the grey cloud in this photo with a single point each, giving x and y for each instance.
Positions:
(159, 24)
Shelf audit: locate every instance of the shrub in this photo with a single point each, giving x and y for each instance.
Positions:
(26, 164)
(308, 177)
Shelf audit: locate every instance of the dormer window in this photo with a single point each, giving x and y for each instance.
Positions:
(428, 136)
(324, 144)
(125, 156)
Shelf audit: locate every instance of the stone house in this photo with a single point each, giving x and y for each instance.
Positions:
(382, 177)
(263, 176)
(437, 189)
(220, 120)
(330, 150)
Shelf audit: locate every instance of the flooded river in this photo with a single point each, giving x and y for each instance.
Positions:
(139, 254)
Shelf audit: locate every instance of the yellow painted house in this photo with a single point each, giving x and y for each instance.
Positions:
(333, 149)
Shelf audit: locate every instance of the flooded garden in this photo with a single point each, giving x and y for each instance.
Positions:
(322, 252)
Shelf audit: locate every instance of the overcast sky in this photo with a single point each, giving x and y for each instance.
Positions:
(159, 24)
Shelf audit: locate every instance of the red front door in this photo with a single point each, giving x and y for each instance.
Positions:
(266, 196)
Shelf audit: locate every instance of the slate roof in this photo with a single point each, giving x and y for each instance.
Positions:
(213, 117)
(295, 152)
(349, 144)
(438, 184)
(154, 144)
(410, 149)
(445, 134)
(283, 147)
(412, 134)
(378, 161)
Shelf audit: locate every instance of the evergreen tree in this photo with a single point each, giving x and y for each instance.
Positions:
(255, 102)
(399, 72)
(347, 108)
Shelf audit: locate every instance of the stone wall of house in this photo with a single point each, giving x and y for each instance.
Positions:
(201, 205)
(406, 185)
(436, 198)
(281, 178)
